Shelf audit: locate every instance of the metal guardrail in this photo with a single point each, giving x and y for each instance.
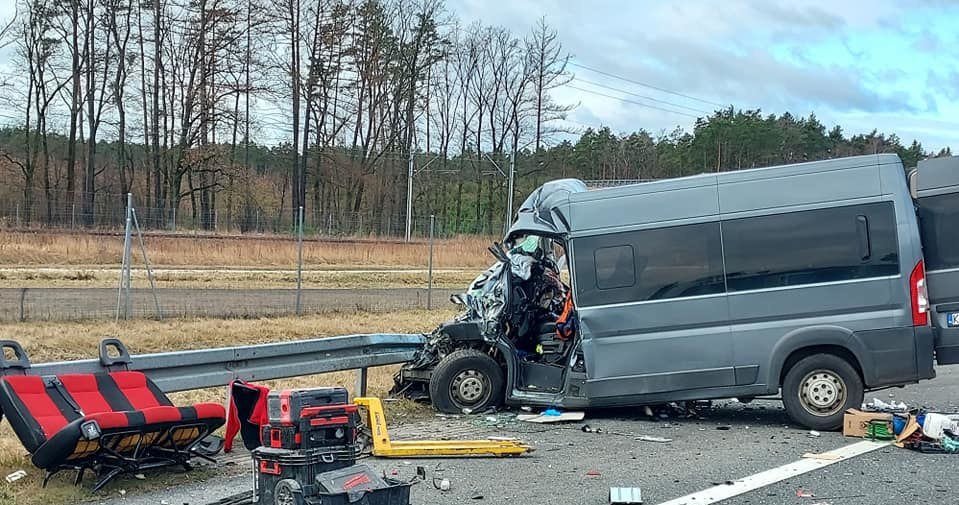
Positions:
(204, 368)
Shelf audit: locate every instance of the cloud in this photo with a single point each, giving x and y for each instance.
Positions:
(839, 59)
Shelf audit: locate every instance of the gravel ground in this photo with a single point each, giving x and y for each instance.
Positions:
(760, 437)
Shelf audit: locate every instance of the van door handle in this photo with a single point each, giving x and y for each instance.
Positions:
(862, 229)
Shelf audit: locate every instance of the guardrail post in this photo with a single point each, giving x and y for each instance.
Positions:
(361, 375)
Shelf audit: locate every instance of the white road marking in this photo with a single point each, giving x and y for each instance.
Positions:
(763, 479)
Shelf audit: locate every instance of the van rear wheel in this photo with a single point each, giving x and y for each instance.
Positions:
(818, 390)
(466, 379)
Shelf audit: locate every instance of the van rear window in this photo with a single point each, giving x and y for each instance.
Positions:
(808, 247)
(938, 218)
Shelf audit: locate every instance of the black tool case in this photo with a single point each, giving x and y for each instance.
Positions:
(272, 465)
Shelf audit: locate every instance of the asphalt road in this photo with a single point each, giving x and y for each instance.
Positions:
(759, 437)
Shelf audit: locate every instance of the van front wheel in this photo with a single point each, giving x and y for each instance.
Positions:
(818, 390)
(466, 379)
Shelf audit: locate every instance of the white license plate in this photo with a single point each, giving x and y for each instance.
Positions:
(952, 319)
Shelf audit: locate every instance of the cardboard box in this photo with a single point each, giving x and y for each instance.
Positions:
(855, 422)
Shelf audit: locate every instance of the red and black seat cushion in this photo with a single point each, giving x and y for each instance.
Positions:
(135, 391)
(47, 413)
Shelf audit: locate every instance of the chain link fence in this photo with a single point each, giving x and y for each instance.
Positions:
(70, 304)
(259, 222)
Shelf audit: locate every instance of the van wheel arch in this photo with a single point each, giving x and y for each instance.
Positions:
(836, 350)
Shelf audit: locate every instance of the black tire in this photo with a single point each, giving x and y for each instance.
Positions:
(818, 389)
(287, 492)
(466, 379)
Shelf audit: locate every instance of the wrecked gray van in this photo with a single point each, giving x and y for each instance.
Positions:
(804, 279)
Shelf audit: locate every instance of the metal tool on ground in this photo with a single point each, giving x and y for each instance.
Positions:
(384, 447)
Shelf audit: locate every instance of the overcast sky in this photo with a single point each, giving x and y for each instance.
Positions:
(891, 65)
(885, 64)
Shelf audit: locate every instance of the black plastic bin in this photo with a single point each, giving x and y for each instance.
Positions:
(272, 465)
(398, 493)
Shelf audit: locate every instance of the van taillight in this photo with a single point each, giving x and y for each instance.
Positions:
(919, 295)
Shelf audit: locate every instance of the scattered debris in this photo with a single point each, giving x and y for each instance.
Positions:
(551, 418)
(15, 476)
(625, 496)
(476, 497)
(593, 473)
(139, 476)
(878, 405)
(441, 484)
(801, 493)
(648, 438)
(724, 428)
(856, 422)
(814, 434)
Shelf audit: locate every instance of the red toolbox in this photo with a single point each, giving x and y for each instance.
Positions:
(287, 406)
(309, 418)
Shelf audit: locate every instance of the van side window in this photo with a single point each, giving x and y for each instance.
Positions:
(938, 216)
(656, 264)
(823, 245)
(615, 267)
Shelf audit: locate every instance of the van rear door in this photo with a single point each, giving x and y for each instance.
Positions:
(935, 184)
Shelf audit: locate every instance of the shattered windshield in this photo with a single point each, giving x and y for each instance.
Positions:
(534, 288)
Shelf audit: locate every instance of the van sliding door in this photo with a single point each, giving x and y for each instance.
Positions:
(937, 189)
(653, 311)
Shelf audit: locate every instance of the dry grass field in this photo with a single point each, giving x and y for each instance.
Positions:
(67, 341)
(100, 277)
(80, 249)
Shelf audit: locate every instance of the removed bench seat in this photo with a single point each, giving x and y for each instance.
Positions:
(110, 422)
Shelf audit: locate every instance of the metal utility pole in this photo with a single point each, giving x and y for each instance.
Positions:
(429, 289)
(409, 197)
(509, 198)
(299, 261)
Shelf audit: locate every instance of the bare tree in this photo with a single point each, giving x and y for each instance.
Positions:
(548, 64)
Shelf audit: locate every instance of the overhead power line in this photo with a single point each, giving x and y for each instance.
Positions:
(664, 102)
(645, 85)
(634, 102)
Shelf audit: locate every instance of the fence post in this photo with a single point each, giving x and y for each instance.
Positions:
(361, 374)
(73, 216)
(23, 297)
(429, 289)
(173, 223)
(216, 220)
(18, 215)
(123, 294)
(329, 226)
(299, 262)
